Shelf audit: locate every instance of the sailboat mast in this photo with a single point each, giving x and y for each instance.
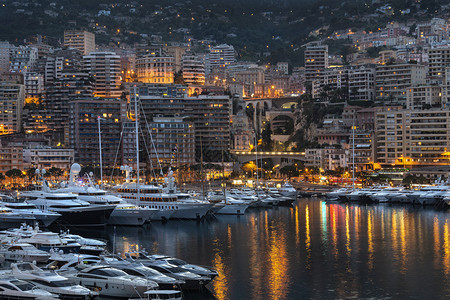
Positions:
(136, 122)
(256, 158)
(100, 148)
(353, 153)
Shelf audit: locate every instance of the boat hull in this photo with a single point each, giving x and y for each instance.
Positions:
(131, 217)
(233, 209)
(92, 216)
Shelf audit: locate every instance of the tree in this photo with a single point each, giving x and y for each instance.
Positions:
(289, 171)
(14, 174)
(266, 137)
(249, 168)
(55, 172)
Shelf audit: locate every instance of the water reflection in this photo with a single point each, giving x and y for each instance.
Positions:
(312, 250)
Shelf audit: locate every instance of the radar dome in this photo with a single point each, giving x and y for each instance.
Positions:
(76, 168)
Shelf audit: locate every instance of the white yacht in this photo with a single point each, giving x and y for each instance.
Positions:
(123, 214)
(112, 282)
(24, 252)
(164, 282)
(288, 190)
(196, 269)
(192, 280)
(12, 288)
(49, 240)
(165, 199)
(88, 246)
(74, 212)
(52, 282)
(9, 219)
(45, 218)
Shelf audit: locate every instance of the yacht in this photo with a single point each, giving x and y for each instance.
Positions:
(24, 252)
(167, 200)
(50, 240)
(9, 219)
(88, 246)
(12, 288)
(112, 282)
(288, 190)
(52, 282)
(164, 282)
(336, 195)
(123, 214)
(74, 212)
(200, 270)
(45, 218)
(192, 281)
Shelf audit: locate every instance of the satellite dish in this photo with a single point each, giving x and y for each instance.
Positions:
(37, 171)
(122, 168)
(91, 174)
(43, 171)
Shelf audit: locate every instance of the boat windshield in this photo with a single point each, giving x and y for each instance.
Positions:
(176, 262)
(22, 285)
(109, 272)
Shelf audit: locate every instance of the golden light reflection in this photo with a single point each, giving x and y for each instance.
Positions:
(370, 239)
(333, 218)
(446, 258)
(323, 220)
(307, 239)
(347, 231)
(403, 249)
(279, 265)
(256, 276)
(220, 283)
(437, 242)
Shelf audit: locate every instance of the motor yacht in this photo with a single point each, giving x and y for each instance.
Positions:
(50, 240)
(288, 190)
(88, 246)
(24, 252)
(9, 219)
(164, 282)
(124, 213)
(74, 212)
(200, 270)
(12, 288)
(52, 282)
(45, 218)
(192, 281)
(167, 200)
(112, 282)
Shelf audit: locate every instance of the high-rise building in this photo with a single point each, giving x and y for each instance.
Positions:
(361, 83)
(193, 70)
(177, 52)
(412, 137)
(59, 62)
(4, 57)
(155, 69)
(83, 130)
(34, 84)
(423, 96)
(23, 58)
(210, 114)
(174, 139)
(12, 97)
(438, 60)
(84, 41)
(220, 57)
(392, 81)
(316, 60)
(104, 68)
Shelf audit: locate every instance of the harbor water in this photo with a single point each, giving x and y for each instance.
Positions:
(312, 250)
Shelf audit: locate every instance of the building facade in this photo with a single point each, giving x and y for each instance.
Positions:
(83, 41)
(104, 68)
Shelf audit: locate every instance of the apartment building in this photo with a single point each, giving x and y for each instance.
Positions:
(316, 60)
(193, 70)
(412, 137)
(393, 81)
(104, 68)
(438, 60)
(83, 41)
(421, 97)
(155, 69)
(48, 157)
(12, 97)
